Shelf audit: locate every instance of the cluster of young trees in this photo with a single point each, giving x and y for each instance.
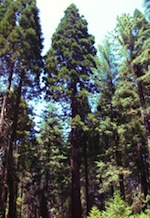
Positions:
(94, 137)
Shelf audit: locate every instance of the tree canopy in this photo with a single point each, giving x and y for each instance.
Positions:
(87, 154)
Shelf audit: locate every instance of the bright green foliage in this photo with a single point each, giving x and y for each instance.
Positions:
(94, 213)
(141, 215)
(116, 208)
(109, 174)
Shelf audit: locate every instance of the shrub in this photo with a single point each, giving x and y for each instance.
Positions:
(94, 213)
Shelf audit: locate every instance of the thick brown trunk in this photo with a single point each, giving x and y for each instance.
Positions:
(75, 166)
(43, 206)
(76, 202)
(12, 184)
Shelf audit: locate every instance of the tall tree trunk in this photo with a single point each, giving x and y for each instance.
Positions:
(3, 147)
(112, 190)
(43, 201)
(86, 176)
(3, 189)
(76, 202)
(141, 166)
(75, 166)
(11, 168)
(21, 188)
(145, 117)
(4, 104)
(43, 207)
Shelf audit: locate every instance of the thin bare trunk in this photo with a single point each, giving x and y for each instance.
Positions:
(86, 176)
(4, 190)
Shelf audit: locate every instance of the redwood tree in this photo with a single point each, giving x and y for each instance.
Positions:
(69, 65)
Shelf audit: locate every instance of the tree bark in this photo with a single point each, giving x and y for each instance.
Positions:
(142, 167)
(3, 190)
(145, 118)
(43, 207)
(76, 202)
(75, 166)
(12, 184)
(112, 190)
(86, 176)
(4, 104)
(3, 200)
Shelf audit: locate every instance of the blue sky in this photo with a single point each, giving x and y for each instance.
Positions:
(100, 15)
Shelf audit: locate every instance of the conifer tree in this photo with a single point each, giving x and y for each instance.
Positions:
(23, 136)
(109, 116)
(69, 65)
(21, 43)
(132, 93)
(54, 163)
(7, 27)
(136, 45)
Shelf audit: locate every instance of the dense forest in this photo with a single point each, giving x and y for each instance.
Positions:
(89, 155)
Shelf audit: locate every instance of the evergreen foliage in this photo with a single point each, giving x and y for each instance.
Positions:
(94, 213)
(115, 207)
(92, 144)
(69, 65)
